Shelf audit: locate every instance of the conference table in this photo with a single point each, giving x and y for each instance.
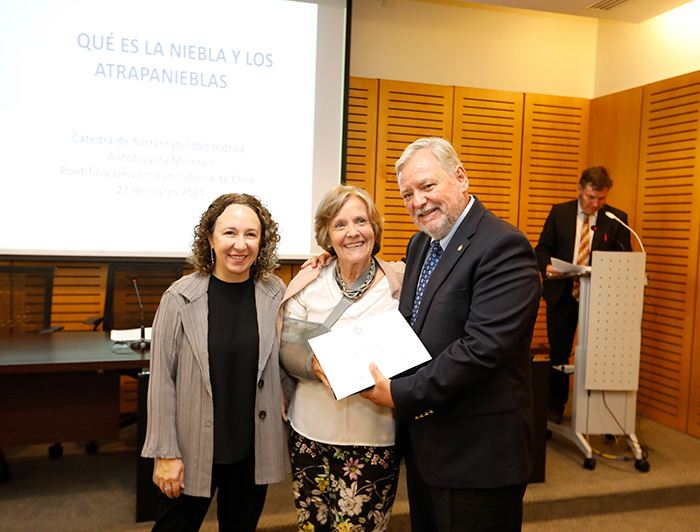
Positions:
(61, 387)
(65, 387)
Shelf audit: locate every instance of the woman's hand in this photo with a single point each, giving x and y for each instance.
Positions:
(170, 476)
(318, 371)
(283, 406)
(323, 259)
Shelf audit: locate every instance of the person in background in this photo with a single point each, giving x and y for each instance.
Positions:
(214, 409)
(471, 293)
(344, 463)
(571, 232)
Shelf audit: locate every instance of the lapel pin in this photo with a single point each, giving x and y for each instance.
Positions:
(460, 247)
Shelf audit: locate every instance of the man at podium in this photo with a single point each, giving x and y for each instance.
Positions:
(571, 232)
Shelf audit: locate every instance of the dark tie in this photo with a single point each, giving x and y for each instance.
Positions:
(428, 267)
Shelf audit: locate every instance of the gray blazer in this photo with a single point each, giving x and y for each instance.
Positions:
(180, 403)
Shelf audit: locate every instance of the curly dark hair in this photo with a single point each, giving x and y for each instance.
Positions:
(265, 263)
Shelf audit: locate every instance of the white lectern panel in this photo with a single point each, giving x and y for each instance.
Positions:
(615, 320)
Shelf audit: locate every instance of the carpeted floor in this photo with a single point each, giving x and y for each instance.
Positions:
(85, 493)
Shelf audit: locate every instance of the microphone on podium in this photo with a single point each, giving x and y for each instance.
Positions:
(613, 217)
(143, 344)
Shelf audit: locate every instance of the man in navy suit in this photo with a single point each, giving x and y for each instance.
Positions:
(466, 417)
(560, 238)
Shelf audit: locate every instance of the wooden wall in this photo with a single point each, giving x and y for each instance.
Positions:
(668, 214)
(78, 293)
(614, 142)
(80, 290)
(523, 153)
(407, 111)
(648, 138)
(555, 136)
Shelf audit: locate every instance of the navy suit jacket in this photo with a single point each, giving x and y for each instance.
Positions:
(469, 410)
(558, 238)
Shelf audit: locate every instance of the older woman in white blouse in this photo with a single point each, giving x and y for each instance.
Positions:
(343, 454)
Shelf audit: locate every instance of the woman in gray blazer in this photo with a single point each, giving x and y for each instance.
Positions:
(214, 409)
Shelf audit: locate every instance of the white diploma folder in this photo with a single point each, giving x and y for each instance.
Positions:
(386, 339)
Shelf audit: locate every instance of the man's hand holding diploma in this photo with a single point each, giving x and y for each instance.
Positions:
(380, 394)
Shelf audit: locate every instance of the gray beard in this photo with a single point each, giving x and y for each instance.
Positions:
(446, 224)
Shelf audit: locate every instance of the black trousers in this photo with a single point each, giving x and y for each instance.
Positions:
(462, 510)
(562, 321)
(239, 502)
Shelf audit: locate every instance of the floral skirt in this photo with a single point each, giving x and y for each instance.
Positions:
(343, 488)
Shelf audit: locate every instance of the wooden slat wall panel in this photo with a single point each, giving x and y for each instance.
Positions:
(22, 302)
(407, 111)
(151, 283)
(613, 141)
(362, 133)
(80, 288)
(78, 294)
(554, 155)
(488, 129)
(694, 395)
(286, 272)
(668, 219)
(555, 137)
(5, 297)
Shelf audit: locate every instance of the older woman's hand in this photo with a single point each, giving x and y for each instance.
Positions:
(283, 406)
(170, 476)
(318, 371)
(318, 260)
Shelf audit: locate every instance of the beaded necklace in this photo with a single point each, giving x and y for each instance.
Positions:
(354, 293)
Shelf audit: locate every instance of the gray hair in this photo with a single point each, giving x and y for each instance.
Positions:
(446, 155)
(329, 208)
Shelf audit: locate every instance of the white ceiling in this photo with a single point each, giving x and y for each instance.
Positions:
(621, 10)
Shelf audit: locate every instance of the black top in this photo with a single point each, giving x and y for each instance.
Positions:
(233, 366)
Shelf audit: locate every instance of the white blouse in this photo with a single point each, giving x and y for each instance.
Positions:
(314, 412)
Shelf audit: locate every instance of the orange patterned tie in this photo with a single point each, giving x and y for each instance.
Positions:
(584, 252)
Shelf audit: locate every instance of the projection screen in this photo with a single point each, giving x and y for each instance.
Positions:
(120, 121)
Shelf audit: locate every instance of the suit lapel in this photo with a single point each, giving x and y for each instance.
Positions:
(457, 248)
(262, 309)
(415, 258)
(195, 327)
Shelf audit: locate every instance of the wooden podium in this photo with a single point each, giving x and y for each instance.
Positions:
(606, 368)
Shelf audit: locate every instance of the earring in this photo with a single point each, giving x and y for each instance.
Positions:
(211, 251)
